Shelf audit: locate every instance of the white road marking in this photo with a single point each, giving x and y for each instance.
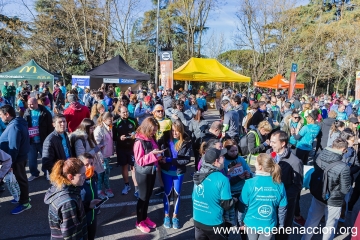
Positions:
(132, 203)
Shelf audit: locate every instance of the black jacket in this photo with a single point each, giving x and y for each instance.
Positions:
(53, 150)
(339, 180)
(208, 136)
(258, 117)
(251, 142)
(325, 129)
(292, 174)
(183, 158)
(45, 122)
(89, 192)
(124, 127)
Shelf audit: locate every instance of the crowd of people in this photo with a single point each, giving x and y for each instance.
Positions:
(249, 166)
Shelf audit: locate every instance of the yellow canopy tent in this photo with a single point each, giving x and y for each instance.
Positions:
(207, 69)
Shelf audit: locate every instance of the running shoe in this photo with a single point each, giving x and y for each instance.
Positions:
(149, 223)
(142, 227)
(176, 223)
(109, 193)
(126, 190)
(31, 178)
(101, 195)
(167, 222)
(20, 208)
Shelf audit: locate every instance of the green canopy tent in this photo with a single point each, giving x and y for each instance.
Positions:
(30, 71)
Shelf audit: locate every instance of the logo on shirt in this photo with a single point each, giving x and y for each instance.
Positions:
(130, 126)
(200, 190)
(265, 210)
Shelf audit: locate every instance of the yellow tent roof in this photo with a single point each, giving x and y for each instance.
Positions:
(207, 69)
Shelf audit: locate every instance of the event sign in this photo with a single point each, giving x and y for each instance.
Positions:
(166, 70)
(357, 86)
(82, 81)
(119, 81)
(294, 68)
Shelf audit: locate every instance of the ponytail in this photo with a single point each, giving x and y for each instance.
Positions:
(268, 164)
(62, 168)
(276, 173)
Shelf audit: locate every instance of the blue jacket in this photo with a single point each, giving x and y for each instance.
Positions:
(15, 140)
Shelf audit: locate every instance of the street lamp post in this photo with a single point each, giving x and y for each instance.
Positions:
(157, 81)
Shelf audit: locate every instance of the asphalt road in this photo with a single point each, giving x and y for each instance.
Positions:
(117, 217)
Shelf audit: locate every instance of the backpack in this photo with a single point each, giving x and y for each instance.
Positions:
(243, 144)
(319, 186)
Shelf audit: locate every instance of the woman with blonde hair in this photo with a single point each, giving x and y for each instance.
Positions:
(262, 215)
(306, 110)
(96, 110)
(257, 142)
(65, 202)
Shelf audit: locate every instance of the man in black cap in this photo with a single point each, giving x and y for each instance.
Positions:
(211, 195)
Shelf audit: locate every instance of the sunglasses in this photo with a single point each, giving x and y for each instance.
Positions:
(159, 111)
(297, 117)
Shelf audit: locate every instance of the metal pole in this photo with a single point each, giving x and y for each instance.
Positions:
(157, 81)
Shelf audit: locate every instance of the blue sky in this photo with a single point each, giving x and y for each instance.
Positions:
(222, 21)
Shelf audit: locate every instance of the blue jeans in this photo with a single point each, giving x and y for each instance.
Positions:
(35, 148)
(103, 178)
(12, 101)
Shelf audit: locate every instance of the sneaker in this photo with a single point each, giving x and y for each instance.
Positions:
(102, 195)
(17, 202)
(109, 193)
(159, 191)
(142, 227)
(136, 194)
(126, 190)
(167, 222)
(20, 208)
(31, 178)
(149, 223)
(300, 221)
(176, 223)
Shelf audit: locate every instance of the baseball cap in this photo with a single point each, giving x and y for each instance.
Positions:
(212, 154)
(353, 120)
(161, 87)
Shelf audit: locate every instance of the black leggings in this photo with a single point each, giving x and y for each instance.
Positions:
(92, 229)
(146, 184)
(303, 155)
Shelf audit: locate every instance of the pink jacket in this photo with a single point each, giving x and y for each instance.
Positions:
(141, 158)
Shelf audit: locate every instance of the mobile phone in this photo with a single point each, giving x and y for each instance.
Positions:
(101, 203)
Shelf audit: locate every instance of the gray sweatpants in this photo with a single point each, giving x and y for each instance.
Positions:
(316, 212)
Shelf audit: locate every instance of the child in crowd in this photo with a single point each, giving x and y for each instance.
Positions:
(104, 136)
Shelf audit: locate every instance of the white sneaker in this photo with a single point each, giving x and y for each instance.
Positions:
(31, 178)
(126, 190)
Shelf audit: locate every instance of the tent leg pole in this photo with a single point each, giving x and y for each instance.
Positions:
(248, 90)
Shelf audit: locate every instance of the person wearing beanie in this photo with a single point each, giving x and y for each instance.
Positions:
(143, 109)
(75, 113)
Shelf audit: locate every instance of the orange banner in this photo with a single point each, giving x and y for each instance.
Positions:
(292, 80)
(166, 74)
(357, 86)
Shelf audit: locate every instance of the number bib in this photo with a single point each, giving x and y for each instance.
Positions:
(33, 132)
(237, 171)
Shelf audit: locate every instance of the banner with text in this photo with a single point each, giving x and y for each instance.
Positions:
(166, 70)
(82, 81)
(119, 81)
(294, 68)
(357, 86)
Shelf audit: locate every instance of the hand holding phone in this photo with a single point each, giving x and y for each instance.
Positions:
(99, 203)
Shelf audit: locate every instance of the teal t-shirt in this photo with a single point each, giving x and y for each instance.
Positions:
(66, 149)
(341, 116)
(20, 103)
(35, 114)
(207, 197)
(308, 134)
(292, 140)
(236, 188)
(262, 197)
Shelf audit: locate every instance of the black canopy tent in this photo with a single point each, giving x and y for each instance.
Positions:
(116, 68)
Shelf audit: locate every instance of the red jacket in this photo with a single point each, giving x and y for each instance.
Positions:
(74, 115)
